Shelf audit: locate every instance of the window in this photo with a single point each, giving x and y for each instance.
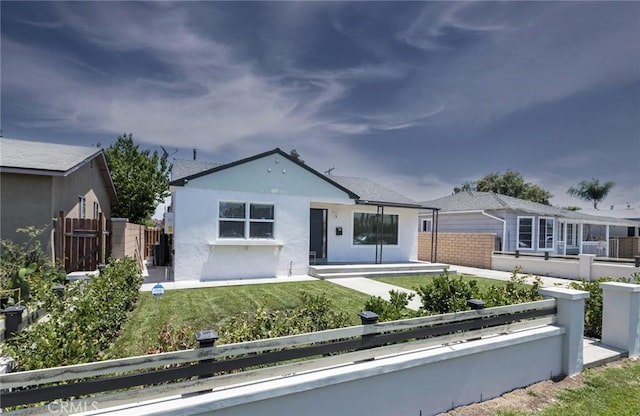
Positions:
(96, 210)
(261, 221)
(525, 233)
(425, 226)
(545, 233)
(235, 223)
(368, 228)
(82, 207)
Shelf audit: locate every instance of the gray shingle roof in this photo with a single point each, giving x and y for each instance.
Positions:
(485, 201)
(371, 191)
(186, 167)
(23, 154)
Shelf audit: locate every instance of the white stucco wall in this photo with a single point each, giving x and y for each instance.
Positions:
(293, 190)
(340, 248)
(201, 255)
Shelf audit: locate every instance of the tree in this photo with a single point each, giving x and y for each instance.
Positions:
(591, 191)
(510, 183)
(141, 179)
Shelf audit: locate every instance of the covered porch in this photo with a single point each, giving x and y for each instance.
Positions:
(602, 238)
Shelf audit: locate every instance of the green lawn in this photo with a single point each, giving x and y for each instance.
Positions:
(607, 392)
(412, 282)
(209, 308)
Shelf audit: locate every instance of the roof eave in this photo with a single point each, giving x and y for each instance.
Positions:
(392, 204)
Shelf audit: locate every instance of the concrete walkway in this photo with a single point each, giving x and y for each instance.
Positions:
(374, 288)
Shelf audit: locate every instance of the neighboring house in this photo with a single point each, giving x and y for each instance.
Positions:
(527, 226)
(271, 215)
(39, 180)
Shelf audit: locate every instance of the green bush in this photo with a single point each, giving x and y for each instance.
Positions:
(80, 326)
(394, 309)
(516, 290)
(445, 294)
(315, 313)
(26, 267)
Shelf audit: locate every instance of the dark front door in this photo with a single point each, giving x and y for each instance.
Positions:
(318, 235)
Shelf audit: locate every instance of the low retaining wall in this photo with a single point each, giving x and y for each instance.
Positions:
(425, 382)
(583, 268)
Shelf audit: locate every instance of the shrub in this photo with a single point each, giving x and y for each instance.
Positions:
(82, 324)
(173, 339)
(445, 294)
(26, 267)
(516, 290)
(315, 313)
(394, 309)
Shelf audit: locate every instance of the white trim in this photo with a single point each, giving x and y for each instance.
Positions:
(553, 234)
(533, 232)
(504, 228)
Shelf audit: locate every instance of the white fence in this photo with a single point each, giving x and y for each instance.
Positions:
(417, 366)
(582, 267)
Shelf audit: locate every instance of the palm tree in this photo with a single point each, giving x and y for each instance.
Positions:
(591, 191)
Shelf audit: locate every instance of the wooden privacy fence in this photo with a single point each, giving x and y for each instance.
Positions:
(151, 237)
(217, 366)
(80, 243)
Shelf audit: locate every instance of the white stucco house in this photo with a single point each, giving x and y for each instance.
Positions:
(272, 215)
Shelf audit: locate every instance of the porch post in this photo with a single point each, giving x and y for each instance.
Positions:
(581, 238)
(606, 239)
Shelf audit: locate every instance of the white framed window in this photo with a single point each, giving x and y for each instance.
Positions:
(82, 207)
(525, 233)
(236, 221)
(545, 233)
(425, 226)
(96, 210)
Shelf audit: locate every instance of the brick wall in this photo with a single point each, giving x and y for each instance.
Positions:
(127, 239)
(464, 249)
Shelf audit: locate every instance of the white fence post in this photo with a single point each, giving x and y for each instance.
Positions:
(570, 315)
(586, 260)
(621, 316)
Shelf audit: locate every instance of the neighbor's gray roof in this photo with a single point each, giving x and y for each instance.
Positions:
(52, 159)
(187, 167)
(373, 192)
(487, 201)
(23, 154)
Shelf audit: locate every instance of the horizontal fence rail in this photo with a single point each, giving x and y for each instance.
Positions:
(238, 361)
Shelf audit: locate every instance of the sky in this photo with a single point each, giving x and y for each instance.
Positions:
(418, 96)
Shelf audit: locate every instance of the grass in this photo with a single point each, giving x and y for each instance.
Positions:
(209, 308)
(607, 392)
(412, 282)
